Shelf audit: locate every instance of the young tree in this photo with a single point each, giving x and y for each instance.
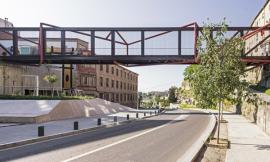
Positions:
(172, 96)
(51, 79)
(220, 74)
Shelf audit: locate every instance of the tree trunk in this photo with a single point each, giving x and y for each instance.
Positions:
(52, 90)
(222, 107)
(219, 116)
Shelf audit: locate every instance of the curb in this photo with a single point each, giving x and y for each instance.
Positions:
(192, 153)
(70, 133)
(162, 112)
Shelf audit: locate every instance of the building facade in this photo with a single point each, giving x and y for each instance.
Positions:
(117, 84)
(260, 75)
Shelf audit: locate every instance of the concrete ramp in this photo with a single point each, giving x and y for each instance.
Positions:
(36, 111)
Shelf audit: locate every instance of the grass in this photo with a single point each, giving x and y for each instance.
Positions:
(267, 92)
(187, 106)
(260, 89)
(10, 97)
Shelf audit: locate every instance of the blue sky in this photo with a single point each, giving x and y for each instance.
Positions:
(138, 13)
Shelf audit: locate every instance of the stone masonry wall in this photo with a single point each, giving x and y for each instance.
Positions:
(258, 114)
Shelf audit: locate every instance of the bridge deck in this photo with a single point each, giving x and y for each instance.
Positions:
(71, 59)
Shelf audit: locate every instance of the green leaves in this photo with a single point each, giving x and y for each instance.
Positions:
(50, 78)
(172, 94)
(219, 76)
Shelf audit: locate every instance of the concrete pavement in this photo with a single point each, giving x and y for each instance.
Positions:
(161, 138)
(248, 142)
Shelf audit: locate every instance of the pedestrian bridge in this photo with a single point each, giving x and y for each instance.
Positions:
(129, 46)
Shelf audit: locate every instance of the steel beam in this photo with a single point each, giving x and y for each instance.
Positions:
(113, 43)
(93, 44)
(179, 43)
(63, 42)
(15, 42)
(142, 43)
(71, 59)
(125, 28)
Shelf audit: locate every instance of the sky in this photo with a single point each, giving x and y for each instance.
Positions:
(133, 13)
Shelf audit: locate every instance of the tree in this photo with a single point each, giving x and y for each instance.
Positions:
(219, 76)
(164, 102)
(172, 94)
(189, 72)
(157, 99)
(51, 79)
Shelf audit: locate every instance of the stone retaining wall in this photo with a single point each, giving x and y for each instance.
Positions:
(259, 114)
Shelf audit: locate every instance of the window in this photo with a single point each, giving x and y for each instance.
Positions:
(112, 97)
(67, 78)
(101, 67)
(112, 70)
(112, 83)
(117, 97)
(85, 80)
(88, 80)
(121, 72)
(125, 86)
(121, 85)
(101, 81)
(107, 68)
(101, 95)
(117, 84)
(116, 72)
(107, 82)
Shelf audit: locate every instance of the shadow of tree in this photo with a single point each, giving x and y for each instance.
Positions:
(259, 147)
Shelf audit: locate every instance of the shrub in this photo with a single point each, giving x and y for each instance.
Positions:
(267, 91)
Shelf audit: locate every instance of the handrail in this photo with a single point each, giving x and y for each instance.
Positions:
(259, 29)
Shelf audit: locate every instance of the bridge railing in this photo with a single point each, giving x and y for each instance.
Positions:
(48, 41)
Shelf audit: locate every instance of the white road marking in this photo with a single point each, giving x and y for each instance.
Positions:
(181, 117)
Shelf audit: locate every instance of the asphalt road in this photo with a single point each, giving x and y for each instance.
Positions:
(162, 138)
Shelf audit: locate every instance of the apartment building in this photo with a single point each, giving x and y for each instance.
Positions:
(117, 84)
(260, 75)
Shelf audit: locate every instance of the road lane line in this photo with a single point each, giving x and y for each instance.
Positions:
(181, 117)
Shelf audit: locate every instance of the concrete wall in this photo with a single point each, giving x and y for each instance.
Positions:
(10, 79)
(16, 78)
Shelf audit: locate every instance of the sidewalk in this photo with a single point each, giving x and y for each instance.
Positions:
(18, 133)
(248, 142)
